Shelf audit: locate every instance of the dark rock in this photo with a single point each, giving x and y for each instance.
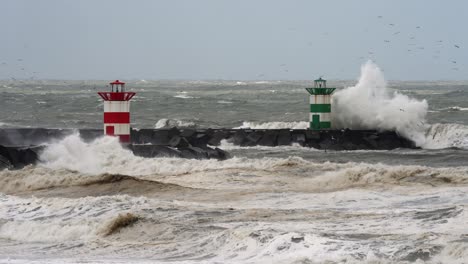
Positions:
(312, 134)
(238, 138)
(216, 153)
(253, 137)
(298, 137)
(5, 163)
(269, 138)
(179, 142)
(194, 153)
(200, 139)
(174, 141)
(187, 132)
(152, 151)
(151, 136)
(89, 135)
(17, 158)
(173, 132)
(30, 136)
(217, 136)
(284, 137)
(222, 155)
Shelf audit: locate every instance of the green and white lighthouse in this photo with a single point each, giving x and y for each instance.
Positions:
(320, 105)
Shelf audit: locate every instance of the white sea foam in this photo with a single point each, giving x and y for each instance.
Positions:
(74, 162)
(168, 123)
(274, 125)
(370, 105)
(456, 108)
(224, 102)
(184, 96)
(445, 136)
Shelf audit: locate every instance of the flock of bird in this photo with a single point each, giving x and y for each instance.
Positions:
(412, 47)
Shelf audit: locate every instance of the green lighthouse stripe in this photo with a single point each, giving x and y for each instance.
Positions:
(320, 108)
(320, 125)
(325, 124)
(323, 116)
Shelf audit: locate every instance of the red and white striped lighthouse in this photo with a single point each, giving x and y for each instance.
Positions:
(117, 111)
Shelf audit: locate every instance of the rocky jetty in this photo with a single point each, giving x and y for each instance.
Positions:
(20, 146)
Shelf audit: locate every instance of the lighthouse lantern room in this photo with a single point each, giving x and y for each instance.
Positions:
(117, 111)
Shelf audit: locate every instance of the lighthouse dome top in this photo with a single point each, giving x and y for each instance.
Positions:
(117, 82)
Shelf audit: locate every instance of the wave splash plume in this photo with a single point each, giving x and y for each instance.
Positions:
(370, 105)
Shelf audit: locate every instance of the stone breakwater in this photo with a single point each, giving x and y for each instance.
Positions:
(21, 146)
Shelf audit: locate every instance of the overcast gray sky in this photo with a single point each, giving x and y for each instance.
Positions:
(242, 40)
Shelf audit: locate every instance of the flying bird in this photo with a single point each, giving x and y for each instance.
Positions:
(456, 46)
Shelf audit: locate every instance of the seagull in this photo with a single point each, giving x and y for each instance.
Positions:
(391, 24)
(456, 46)
(402, 110)
(454, 62)
(418, 27)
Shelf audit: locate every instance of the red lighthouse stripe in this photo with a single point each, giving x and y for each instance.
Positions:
(124, 138)
(117, 117)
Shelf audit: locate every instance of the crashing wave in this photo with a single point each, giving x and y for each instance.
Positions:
(440, 136)
(370, 105)
(169, 123)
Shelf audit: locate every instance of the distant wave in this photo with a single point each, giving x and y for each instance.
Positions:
(183, 95)
(455, 108)
(274, 125)
(168, 123)
(224, 102)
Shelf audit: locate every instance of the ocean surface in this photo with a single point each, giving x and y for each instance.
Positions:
(97, 203)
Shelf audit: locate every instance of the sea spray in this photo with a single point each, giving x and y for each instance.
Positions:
(370, 105)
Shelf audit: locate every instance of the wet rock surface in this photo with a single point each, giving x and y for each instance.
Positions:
(19, 146)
